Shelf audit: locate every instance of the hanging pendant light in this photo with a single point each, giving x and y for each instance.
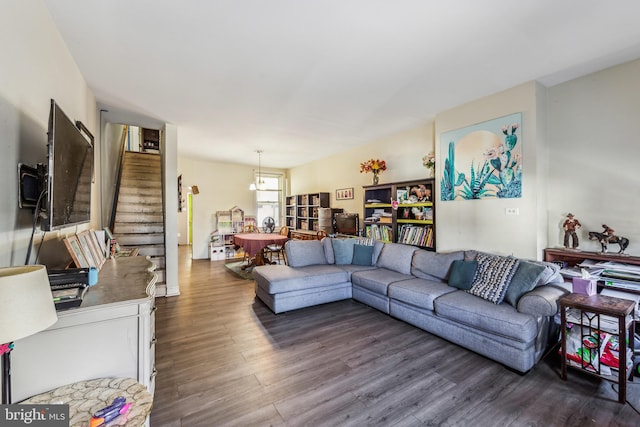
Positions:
(253, 186)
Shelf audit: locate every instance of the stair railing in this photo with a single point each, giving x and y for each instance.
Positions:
(116, 193)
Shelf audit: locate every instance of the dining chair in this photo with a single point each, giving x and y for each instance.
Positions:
(249, 228)
(277, 250)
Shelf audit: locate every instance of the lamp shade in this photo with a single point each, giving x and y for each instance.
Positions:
(26, 302)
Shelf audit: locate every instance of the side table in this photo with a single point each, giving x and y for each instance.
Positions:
(86, 397)
(591, 314)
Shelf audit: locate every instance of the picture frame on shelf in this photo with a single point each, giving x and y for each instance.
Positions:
(96, 249)
(344, 194)
(85, 245)
(75, 250)
(402, 195)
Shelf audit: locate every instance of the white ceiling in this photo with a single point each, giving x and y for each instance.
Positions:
(303, 79)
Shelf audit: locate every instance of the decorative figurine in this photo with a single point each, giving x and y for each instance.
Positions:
(570, 225)
(608, 236)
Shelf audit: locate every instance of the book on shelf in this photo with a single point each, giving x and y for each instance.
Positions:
(378, 232)
(416, 235)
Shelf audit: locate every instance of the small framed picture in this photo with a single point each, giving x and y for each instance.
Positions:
(85, 244)
(75, 250)
(402, 195)
(96, 249)
(344, 194)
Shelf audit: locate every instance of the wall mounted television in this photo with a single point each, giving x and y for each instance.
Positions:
(69, 172)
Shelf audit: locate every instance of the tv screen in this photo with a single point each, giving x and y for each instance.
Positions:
(69, 173)
(345, 223)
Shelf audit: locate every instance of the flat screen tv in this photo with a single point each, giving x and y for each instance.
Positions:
(69, 173)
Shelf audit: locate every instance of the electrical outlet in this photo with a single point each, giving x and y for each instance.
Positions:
(512, 211)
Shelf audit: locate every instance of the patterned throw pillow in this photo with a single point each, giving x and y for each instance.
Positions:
(493, 276)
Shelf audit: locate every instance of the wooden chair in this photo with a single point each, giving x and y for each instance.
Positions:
(250, 228)
(278, 250)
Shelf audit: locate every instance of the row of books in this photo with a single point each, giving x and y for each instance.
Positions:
(416, 235)
(379, 232)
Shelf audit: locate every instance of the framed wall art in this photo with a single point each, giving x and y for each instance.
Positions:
(344, 194)
(483, 160)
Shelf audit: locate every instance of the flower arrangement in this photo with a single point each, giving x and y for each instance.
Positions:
(429, 161)
(375, 166)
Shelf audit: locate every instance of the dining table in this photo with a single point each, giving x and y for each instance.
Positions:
(254, 244)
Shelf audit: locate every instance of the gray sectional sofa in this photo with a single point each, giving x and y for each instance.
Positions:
(500, 307)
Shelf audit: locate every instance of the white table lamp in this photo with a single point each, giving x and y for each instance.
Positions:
(26, 307)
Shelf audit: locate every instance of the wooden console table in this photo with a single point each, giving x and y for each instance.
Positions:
(591, 309)
(574, 257)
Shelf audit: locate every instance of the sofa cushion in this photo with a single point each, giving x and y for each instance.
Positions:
(362, 254)
(462, 273)
(343, 250)
(524, 279)
(500, 319)
(282, 278)
(352, 268)
(377, 249)
(418, 292)
(301, 253)
(377, 280)
(396, 257)
(433, 265)
(327, 245)
(493, 276)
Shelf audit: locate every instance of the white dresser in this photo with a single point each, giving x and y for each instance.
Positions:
(112, 334)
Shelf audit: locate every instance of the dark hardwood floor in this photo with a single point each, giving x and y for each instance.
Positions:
(223, 358)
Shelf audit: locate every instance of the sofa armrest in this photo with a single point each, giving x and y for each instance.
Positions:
(541, 301)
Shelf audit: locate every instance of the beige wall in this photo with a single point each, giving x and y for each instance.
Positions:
(36, 67)
(483, 224)
(594, 123)
(403, 153)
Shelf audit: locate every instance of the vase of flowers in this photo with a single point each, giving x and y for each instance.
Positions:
(375, 166)
(429, 162)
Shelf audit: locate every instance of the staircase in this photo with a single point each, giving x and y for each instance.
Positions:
(139, 218)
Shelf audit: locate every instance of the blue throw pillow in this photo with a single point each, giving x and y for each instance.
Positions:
(524, 280)
(462, 274)
(362, 255)
(343, 250)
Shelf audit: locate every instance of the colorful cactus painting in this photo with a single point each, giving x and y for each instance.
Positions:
(494, 165)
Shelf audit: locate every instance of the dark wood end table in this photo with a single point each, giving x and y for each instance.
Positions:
(591, 308)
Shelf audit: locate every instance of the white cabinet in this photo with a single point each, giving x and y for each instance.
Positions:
(111, 334)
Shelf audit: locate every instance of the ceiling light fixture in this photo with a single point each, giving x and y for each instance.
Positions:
(253, 186)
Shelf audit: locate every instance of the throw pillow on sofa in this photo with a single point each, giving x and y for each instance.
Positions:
(525, 279)
(462, 274)
(493, 276)
(343, 250)
(362, 254)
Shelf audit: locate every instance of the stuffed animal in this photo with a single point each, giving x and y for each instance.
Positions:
(421, 192)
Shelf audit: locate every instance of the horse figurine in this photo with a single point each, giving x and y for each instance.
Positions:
(605, 240)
